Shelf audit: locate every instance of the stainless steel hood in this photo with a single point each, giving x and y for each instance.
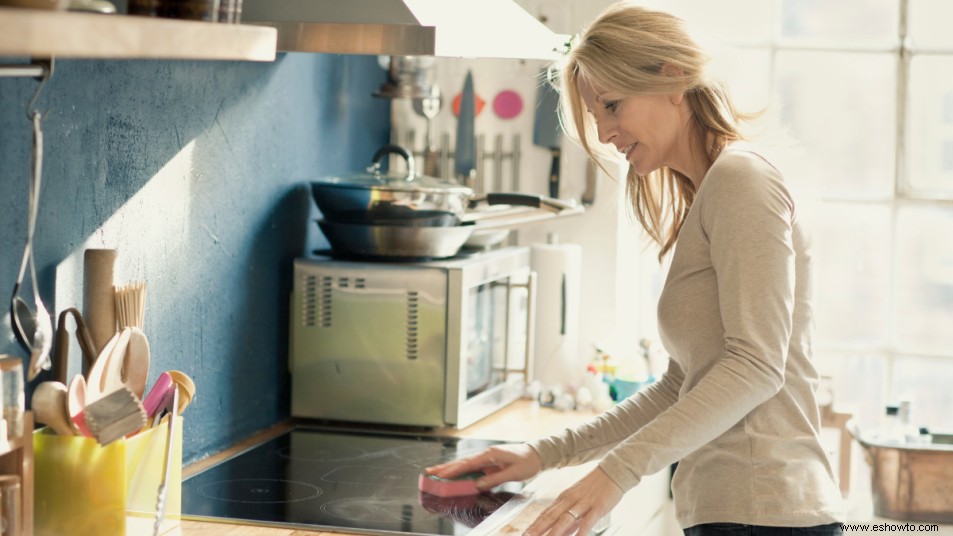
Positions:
(453, 28)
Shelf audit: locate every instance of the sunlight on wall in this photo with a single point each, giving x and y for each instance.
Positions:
(148, 231)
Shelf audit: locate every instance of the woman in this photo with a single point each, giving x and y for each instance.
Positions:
(736, 407)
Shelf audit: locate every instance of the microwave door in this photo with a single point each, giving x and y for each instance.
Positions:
(486, 335)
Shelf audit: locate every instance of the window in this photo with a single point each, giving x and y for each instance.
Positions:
(866, 88)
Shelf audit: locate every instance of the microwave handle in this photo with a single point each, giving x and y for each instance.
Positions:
(530, 287)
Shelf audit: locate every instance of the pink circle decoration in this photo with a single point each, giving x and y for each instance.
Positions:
(507, 104)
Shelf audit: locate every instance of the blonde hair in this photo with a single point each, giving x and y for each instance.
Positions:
(629, 50)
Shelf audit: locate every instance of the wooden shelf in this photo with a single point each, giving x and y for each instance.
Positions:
(62, 34)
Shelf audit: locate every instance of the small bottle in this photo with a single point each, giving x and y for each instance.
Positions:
(891, 431)
(925, 438)
(13, 397)
(910, 433)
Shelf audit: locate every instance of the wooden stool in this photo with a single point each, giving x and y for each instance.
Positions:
(831, 418)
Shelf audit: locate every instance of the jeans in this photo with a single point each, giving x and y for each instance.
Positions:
(734, 529)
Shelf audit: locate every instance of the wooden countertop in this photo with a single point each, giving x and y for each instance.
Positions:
(521, 421)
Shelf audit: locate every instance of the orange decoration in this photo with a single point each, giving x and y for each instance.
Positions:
(478, 104)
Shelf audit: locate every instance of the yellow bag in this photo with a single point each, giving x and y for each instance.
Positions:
(84, 488)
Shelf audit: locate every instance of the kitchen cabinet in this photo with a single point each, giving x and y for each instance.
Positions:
(17, 459)
(62, 34)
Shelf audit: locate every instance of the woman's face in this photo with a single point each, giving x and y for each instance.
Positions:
(645, 128)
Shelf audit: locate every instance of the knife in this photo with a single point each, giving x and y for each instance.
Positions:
(464, 162)
(546, 130)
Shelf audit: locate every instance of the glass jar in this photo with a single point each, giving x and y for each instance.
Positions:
(12, 394)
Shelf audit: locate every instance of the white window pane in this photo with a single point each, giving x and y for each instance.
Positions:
(924, 279)
(842, 108)
(852, 274)
(747, 74)
(929, 24)
(858, 384)
(929, 146)
(851, 22)
(926, 383)
(725, 21)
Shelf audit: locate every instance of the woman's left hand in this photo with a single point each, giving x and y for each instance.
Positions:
(579, 507)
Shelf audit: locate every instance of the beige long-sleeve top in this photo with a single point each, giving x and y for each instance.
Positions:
(736, 407)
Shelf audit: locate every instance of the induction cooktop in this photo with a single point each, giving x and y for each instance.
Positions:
(353, 481)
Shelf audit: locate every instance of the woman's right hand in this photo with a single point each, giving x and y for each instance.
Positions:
(502, 463)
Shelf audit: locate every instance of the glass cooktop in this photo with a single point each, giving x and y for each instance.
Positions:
(356, 481)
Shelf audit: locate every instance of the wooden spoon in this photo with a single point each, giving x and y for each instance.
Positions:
(135, 363)
(127, 365)
(49, 407)
(186, 388)
(94, 380)
(111, 378)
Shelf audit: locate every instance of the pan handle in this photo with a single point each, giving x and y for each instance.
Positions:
(398, 150)
(550, 204)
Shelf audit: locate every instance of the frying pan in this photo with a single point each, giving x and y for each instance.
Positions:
(396, 241)
(491, 206)
(411, 199)
(417, 242)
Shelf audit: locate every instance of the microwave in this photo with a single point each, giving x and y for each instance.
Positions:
(428, 344)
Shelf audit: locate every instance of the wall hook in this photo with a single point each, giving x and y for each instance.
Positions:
(46, 67)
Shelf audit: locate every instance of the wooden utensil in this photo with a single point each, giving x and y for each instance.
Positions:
(131, 305)
(135, 362)
(186, 388)
(49, 407)
(98, 295)
(125, 365)
(115, 415)
(95, 381)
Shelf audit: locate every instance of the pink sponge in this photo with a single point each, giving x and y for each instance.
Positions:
(449, 487)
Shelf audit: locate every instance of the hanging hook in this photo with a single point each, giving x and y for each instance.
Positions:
(47, 67)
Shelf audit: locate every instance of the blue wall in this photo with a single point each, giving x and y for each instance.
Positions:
(195, 172)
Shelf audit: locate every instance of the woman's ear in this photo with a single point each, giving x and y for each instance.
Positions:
(675, 72)
(672, 70)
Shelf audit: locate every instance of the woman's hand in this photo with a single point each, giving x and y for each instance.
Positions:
(577, 509)
(503, 463)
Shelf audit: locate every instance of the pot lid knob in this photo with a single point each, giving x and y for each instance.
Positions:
(375, 168)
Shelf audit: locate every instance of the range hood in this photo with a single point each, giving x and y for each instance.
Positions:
(452, 28)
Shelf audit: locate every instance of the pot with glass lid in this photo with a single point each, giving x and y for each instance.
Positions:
(410, 215)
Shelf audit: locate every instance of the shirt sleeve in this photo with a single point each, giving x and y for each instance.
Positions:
(595, 438)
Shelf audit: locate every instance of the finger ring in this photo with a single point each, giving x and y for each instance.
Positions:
(573, 514)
